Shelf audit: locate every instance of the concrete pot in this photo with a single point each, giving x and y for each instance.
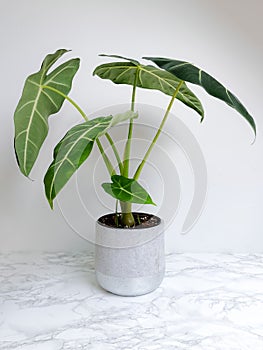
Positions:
(129, 262)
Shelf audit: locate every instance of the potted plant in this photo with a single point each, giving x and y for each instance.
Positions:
(129, 257)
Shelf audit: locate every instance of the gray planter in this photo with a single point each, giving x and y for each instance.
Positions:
(129, 262)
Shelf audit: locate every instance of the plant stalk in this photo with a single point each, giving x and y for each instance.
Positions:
(115, 151)
(127, 150)
(140, 167)
(68, 99)
(107, 162)
(127, 218)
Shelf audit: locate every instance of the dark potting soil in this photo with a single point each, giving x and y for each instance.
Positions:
(142, 220)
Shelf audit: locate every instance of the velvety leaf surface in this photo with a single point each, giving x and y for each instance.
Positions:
(74, 149)
(37, 104)
(149, 78)
(127, 190)
(188, 72)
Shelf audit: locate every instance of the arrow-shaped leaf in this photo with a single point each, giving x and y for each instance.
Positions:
(149, 77)
(127, 190)
(37, 104)
(74, 149)
(188, 72)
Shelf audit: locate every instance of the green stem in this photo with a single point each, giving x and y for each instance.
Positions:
(104, 156)
(116, 153)
(116, 206)
(139, 169)
(68, 99)
(107, 162)
(134, 88)
(127, 150)
(116, 214)
(127, 218)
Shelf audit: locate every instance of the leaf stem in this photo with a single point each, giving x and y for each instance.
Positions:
(134, 88)
(116, 153)
(67, 98)
(127, 150)
(116, 213)
(107, 162)
(127, 218)
(139, 169)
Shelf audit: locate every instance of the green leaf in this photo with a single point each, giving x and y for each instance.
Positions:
(188, 72)
(149, 78)
(74, 149)
(121, 57)
(37, 104)
(127, 190)
(122, 117)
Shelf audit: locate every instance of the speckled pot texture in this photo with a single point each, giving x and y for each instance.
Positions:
(129, 262)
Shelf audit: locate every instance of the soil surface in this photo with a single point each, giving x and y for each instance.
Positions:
(142, 220)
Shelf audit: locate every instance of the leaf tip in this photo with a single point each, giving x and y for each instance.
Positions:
(255, 136)
(104, 184)
(254, 127)
(95, 71)
(26, 173)
(150, 201)
(255, 132)
(64, 50)
(51, 204)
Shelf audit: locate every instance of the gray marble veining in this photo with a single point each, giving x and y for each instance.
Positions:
(51, 301)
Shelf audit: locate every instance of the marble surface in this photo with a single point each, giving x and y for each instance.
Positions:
(51, 301)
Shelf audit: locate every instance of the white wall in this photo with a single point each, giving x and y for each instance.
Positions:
(224, 38)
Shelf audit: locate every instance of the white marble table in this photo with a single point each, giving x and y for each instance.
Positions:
(51, 301)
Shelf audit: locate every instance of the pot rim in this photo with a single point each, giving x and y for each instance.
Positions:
(138, 227)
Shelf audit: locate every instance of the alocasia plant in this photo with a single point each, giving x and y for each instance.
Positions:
(44, 93)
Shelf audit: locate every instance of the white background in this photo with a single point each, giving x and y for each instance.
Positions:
(222, 37)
